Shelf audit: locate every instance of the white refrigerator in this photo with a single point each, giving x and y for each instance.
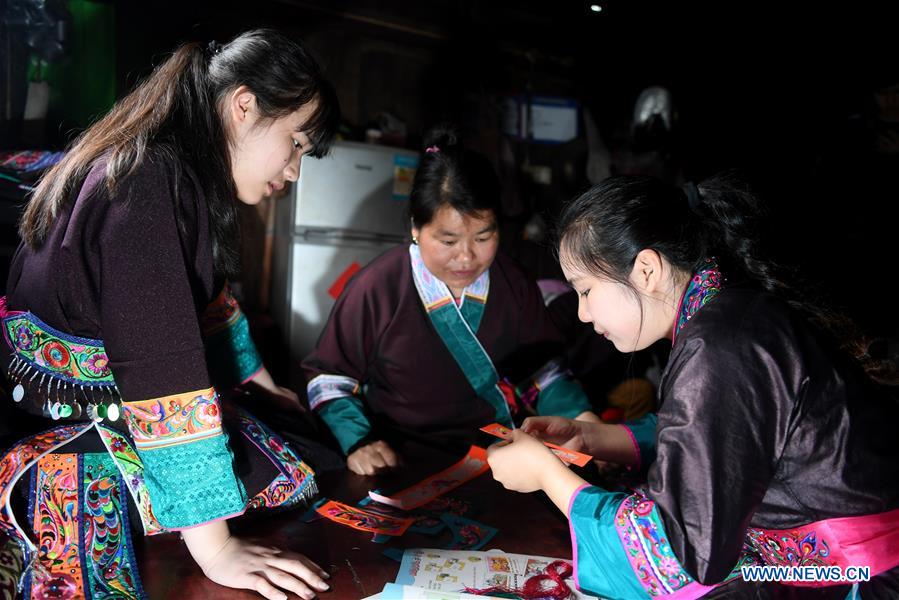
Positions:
(345, 210)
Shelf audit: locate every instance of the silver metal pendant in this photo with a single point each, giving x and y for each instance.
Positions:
(18, 393)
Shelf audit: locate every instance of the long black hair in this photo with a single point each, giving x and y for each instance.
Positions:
(603, 230)
(451, 175)
(176, 114)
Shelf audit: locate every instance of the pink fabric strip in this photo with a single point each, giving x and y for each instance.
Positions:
(871, 540)
(630, 434)
(250, 378)
(868, 540)
(573, 535)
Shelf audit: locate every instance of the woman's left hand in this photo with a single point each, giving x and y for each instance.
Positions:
(522, 463)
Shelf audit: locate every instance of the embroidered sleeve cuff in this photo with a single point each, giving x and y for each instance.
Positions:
(644, 540)
(325, 388)
(621, 548)
(188, 466)
(643, 436)
(231, 355)
(599, 564)
(346, 420)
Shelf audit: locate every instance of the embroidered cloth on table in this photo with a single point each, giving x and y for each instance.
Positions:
(47, 363)
(473, 464)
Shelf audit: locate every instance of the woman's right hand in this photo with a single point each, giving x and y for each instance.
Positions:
(267, 570)
(605, 442)
(235, 563)
(372, 459)
(567, 433)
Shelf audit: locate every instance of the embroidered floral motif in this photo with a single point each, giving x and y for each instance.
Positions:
(176, 419)
(792, 547)
(73, 359)
(703, 287)
(644, 540)
(97, 364)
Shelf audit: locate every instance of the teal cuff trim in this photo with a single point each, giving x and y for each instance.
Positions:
(231, 355)
(602, 565)
(564, 397)
(347, 421)
(193, 483)
(643, 432)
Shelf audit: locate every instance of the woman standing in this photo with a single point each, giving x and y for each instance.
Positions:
(115, 300)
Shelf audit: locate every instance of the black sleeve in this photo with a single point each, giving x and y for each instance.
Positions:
(719, 436)
(148, 312)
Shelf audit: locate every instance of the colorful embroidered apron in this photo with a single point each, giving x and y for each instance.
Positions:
(78, 501)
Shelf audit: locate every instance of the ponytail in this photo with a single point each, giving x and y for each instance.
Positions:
(603, 231)
(174, 115)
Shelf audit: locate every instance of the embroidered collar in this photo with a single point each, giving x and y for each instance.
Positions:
(435, 293)
(703, 287)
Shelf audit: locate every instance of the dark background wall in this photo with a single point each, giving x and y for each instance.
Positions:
(802, 97)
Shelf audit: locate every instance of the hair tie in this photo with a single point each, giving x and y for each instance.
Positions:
(432, 149)
(693, 197)
(213, 48)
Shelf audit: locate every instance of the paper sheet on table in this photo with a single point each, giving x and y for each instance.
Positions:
(394, 591)
(453, 570)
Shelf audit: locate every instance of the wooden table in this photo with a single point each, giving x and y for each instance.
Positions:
(527, 523)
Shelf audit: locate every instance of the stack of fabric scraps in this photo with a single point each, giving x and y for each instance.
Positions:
(358, 518)
(422, 508)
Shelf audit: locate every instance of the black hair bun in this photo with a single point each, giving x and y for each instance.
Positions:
(444, 136)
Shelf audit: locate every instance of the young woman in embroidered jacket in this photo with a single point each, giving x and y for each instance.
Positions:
(420, 341)
(771, 446)
(118, 321)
